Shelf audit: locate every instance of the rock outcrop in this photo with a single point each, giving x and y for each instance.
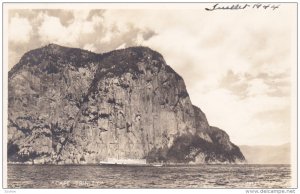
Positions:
(71, 106)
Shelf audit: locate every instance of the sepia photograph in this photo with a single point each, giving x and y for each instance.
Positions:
(149, 96)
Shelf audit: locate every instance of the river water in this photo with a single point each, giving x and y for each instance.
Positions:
(200, 176)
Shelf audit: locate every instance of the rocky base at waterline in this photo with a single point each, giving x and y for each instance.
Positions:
(71, 106)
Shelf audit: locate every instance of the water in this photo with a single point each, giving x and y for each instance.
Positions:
(200, 176)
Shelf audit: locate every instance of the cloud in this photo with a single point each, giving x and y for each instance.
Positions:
(95, 12)
(235, 83)
(75, 28)
(107, 37)
(247, 84)
(51, 30)
(148, 34)
(89, 47)
(78, 32)
(65, 17)
(19, 30)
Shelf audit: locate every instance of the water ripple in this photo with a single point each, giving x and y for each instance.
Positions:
(201, 176)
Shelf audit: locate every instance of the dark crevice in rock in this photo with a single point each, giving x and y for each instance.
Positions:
(103, 115)
(24, 130)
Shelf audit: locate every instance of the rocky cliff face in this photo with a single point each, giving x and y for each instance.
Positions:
(71, 106)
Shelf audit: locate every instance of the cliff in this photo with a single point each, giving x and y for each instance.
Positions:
(71, 106)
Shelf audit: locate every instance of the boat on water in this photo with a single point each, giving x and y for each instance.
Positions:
(128, 162)
(157, 165)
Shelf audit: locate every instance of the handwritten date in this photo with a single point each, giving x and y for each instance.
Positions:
(238, 6)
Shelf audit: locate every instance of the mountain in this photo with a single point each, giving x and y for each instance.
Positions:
(280, 154)
(71, 106)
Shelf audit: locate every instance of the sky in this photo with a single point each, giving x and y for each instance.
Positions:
(237, 64)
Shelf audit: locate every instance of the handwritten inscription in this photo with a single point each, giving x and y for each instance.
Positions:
(238, 6)
(81, 183)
